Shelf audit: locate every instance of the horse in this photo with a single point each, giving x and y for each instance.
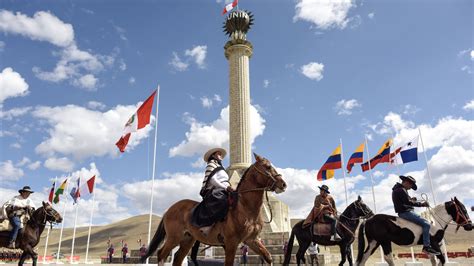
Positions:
(30, 235)
(243, 222)
(384, 229)
(348, 222)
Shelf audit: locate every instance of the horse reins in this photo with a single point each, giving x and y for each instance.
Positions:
(459, 214)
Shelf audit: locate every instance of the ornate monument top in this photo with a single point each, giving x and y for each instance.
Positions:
(238, 24)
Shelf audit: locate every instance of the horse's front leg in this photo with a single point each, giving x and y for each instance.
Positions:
(23, 257)
(349, 254)
(260, 249)
(343, 250)
(442, 259)
(230, 250)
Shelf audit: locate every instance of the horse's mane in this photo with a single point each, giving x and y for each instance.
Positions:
(243, 176)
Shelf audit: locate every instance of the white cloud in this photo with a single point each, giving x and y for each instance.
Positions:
(14, 112)
(266, 83)
(345, 107)
(131, 80)
(208, 102)
(15, 145)
(96, 105)
(87, 82)
(472, 54)
(177, 63)
(60, 164)
(466, 69)
(8, 172)
(34, 166)
(73, 128)
(371, 15)
(11, 85)
(469, 105)
(201, 136)
(198, 53)
(409, 109)
(324, 14)
(43, 26)
(313, 70)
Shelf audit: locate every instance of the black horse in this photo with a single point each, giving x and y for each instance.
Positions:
(30, 235)
(384, 229)
(348, 222)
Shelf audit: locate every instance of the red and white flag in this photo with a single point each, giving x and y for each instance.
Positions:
(88, 187)
(230, 6)
(138, 120)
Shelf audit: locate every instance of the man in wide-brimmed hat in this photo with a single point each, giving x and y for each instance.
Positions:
(214, 191)
(15, 208)
(404, 207)
(324, 205)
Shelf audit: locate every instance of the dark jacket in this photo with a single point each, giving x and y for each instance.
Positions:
(402, 201)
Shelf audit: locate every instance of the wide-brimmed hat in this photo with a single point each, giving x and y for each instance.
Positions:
(212, 151)
(325, 188)
(26, 189)
(411, 179)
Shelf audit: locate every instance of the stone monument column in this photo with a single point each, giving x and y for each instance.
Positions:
(238, 51)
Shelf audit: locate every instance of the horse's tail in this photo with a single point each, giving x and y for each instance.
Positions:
(155, 242)
(361, 242)
(289, 246)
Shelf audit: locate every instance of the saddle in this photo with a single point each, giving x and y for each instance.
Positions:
(5, 224)
(321, 228)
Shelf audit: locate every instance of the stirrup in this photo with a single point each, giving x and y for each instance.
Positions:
(11, 245)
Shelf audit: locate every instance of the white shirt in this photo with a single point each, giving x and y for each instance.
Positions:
(313, 249)
(219, 180)
(19, 201)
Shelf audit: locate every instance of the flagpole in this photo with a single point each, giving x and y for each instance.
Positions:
(62, 225)
(71, 260)
(90, 223)
(343, 171)
(49, 227)
(154, 166)
(432, 189)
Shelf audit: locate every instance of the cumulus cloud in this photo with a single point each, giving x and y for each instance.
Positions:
(59, 164)
(8, 171)
(14, 112)
(177, 63)
(75, 65)
(313, 70)
(72, 130)
(43, 26)
(345, 107)
(96, 105)
(371, 15)
(208, 102)
(131, 80)
(198, 54)
(324, 14)
(469, 105)
(12, 85)
(202, 136)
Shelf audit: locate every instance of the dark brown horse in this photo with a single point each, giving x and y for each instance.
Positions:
(347, 225)
(242, 224)
(30, 235)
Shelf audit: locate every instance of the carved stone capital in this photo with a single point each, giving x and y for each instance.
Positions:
(239, 46)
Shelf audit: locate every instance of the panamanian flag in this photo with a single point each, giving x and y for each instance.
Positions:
(407, 153)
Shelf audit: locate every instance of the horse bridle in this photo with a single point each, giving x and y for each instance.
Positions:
(460, 214)
(268, 187)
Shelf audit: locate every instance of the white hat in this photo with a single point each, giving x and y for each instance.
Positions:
(212, 151)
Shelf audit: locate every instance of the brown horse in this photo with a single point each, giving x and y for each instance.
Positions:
(242, 224)
(30, 235)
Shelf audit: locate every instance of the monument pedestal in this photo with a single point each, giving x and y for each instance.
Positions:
(414, 263)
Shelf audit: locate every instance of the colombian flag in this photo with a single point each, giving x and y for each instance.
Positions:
(333, 162)
(383, 156)
(356, 157)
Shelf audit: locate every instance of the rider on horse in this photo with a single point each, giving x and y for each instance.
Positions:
(404, 204)
(215, 186)
(324, 205)
(15, 208)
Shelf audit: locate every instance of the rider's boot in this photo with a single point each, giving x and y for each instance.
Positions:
(430, 250)
(11, 244)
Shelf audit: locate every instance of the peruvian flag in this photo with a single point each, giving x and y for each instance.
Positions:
(138, 120)
(230, 6)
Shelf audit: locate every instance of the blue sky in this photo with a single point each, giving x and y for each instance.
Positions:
(71, 73)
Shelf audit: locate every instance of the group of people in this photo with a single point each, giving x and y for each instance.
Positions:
(215, 191)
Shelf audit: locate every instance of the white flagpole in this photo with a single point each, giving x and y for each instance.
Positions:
(154, 165)
(432, 189)
(49, 227)
(382, 261)
(62, 224)
(90, 222)
(71, 260)
(343, 172)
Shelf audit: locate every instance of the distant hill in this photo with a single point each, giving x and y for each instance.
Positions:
(128, 230)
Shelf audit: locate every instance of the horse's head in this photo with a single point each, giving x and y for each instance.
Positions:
(361, 209)
(456, 209)
(50, 214)
(267, 176)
